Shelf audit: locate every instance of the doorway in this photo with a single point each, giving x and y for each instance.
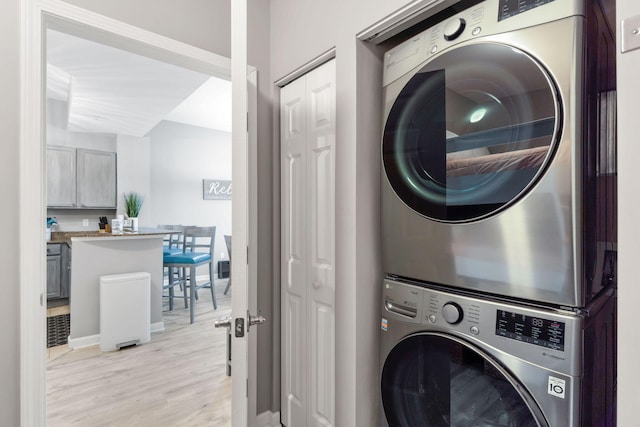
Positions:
(73, 20)
(169, 127)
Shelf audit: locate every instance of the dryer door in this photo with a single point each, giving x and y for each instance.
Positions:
(471, 132)
(432, 380)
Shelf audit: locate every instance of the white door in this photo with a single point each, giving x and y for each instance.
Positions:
(307, 111)
(244, 224)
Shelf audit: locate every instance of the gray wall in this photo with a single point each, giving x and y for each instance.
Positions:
(181, 157)
(295, 41)
(628, 226)
(10, 125)
(268, 381)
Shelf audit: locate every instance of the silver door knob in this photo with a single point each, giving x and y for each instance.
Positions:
(223, 322)
(254, 320)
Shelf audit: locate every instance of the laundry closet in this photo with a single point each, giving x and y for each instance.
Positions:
(499, 240)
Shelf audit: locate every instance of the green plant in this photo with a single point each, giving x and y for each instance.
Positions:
(132, 204)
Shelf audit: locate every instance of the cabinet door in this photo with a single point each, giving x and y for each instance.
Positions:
(53, 276)
(65, 270)
(96, 179)
(61, 176)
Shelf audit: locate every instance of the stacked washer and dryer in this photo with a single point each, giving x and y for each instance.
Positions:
(499, 232)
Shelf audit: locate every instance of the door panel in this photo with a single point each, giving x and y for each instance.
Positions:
(295, 349)
(434, 380)
(471, 132)
(322, 366)
(308, 248)
(293, 176)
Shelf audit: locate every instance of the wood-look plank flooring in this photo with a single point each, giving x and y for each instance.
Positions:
(177, 379)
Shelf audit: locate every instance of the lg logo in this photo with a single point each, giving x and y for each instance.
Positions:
(556, 387)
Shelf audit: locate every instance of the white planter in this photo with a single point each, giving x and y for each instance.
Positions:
(134, 224)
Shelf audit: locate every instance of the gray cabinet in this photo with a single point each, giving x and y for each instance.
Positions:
(96, 184)
(61, 176)
(80, 178)
(58, 270)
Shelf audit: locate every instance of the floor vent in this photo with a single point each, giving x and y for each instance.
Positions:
(58, 330)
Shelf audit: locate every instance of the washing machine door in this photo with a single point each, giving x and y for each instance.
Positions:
(430, 380)
(471, 132)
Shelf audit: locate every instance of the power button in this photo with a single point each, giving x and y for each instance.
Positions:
(474, 330)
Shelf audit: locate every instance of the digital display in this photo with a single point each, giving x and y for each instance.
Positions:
(532, 330)
(509, 8)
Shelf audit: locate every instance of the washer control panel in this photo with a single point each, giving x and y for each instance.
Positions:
(530, 329)
(454, 28)
(447, 310)
(452, 312)
(545, 336)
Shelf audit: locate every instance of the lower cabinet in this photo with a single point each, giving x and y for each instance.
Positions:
(58, 270)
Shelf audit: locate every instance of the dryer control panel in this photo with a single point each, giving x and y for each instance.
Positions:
(483, 19)
(509, 8)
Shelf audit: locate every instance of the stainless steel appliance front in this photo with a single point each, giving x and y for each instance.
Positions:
(456, 359)
(486, 182)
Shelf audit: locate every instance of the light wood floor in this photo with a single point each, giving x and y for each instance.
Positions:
(177, 379)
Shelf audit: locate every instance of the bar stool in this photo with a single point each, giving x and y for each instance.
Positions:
(195, 253)
(227, 240)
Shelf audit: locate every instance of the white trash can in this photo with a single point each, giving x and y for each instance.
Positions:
(125, 315)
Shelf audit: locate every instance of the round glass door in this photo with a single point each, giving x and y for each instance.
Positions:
(430, 380)
(471, 132)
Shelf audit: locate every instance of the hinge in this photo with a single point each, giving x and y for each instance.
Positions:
(247, 255)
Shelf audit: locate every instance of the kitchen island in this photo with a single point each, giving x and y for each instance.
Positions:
(97, 254)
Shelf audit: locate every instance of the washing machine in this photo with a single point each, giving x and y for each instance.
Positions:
(455, 359)
(498, 152)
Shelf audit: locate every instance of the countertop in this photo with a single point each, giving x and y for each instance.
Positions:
(66, 236)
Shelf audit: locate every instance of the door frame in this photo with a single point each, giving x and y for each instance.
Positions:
(36, 16)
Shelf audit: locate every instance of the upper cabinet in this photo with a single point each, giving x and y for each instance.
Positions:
(61, 177)
(79, 178)
(96, 184)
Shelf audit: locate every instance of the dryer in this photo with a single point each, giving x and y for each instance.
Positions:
(498, 152)
(453, 359)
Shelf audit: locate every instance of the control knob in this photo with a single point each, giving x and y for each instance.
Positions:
(452, 312)
(454, 28)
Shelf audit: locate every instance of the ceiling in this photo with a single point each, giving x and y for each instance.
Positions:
(115, 91)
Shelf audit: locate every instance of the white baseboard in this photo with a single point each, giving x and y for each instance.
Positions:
(88, 341)
(156, 327)
(268, 419)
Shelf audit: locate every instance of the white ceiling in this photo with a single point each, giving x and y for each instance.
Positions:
(114, 91)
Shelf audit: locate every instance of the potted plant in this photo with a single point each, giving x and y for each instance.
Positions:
(132, 204)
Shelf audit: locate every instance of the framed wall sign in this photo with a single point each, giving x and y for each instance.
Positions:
(216, 189)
